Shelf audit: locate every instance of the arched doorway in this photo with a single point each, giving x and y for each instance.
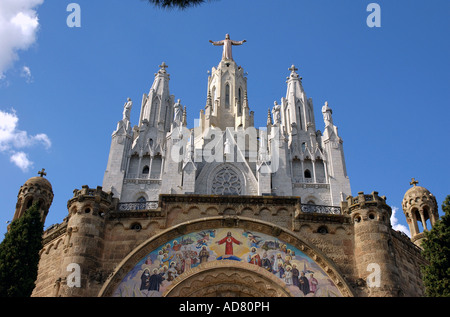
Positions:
(227, 279)
(225, 256)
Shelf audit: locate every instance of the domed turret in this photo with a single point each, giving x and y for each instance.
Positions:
(35, 189)
(419, 206)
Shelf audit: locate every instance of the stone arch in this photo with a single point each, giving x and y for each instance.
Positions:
(340, 229)
(282, 210)
(248, 272)
(192, 209)
(49, 248)
(228, 211)
(311, 200)
(264, 210)
(176, 207)
(227, 278)
(212, 210)
(306, 229)
(117, 226)
(247, 210)
(141, 194)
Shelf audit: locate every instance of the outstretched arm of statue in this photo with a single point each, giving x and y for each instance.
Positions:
(238, 42)
(217, 43)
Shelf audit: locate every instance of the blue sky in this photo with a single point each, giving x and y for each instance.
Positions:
(62, 89)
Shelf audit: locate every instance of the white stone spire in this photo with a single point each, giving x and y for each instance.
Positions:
(157, 106)
(298, 109)
(227, 102)
(139, 154)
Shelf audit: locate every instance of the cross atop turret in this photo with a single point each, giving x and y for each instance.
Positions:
(163, 67)
(413, 182)
(42, 172)
(293, 69)
(294, 73)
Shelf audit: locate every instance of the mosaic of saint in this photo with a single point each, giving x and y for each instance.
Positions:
(153, 275)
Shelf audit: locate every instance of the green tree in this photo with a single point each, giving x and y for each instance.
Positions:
(180, 4)
(436, 250)
(19, 254)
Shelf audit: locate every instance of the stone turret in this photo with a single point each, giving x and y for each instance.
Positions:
(88, 210)
(36, 189)
(374, 250)
(419, 206)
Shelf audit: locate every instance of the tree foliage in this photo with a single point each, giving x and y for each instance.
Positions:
(436, 250)
(180, 4)
(19, 254)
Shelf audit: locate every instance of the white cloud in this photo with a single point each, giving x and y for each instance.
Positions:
(13, 140)
(21, 160)
(43, 138)
(8, 123)
(18, 27)
(396, 225)
(26, 73)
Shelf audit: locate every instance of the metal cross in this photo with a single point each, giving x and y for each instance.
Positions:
(42, 172)
(413, 182)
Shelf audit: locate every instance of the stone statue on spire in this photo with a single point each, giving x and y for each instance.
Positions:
(326, 111)
(127, 109)
(227, 46)
(276, 113)
(178, 113)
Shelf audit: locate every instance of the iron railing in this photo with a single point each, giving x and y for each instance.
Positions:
(153, 205)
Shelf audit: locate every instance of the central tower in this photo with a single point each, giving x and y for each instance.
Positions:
(227, 103)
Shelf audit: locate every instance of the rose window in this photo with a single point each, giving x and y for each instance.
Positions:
(226, 182)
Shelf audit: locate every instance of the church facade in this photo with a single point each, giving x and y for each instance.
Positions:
(226, 208)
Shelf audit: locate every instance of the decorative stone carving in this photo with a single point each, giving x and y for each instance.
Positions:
(226, 182)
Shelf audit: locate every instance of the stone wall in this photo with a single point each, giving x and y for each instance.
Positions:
(102, 240)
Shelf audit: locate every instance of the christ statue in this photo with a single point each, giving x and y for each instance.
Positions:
(227, 45)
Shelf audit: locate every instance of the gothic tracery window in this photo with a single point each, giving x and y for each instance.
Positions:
(239, 110)
(226, 182)
(227, 95)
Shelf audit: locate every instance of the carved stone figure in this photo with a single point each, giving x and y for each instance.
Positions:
(227, 147)
(227, 46)
(276, 113)
(327, 114)
(127, 109)
(178, 112)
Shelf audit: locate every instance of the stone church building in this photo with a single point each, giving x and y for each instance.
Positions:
(226, 208)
